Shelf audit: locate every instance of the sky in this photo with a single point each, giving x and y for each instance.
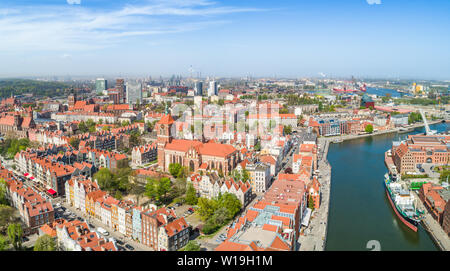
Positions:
(283, 38)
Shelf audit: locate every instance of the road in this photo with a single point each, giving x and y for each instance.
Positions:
(314, 238)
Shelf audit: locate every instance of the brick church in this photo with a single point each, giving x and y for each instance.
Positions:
(193, 154)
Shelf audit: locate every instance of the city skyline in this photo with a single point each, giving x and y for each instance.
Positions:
(226, 38)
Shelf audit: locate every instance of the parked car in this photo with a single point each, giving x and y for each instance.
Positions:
(119, 242)
(129, 247)
(91, 226)
(102, 231)
(191, 209)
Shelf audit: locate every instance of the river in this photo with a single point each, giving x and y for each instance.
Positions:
(359, 208)
(381, 92)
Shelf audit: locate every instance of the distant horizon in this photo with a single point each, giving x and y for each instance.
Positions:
(184, 77)
(233, 38)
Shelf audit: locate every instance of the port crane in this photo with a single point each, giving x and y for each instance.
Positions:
(428, 131)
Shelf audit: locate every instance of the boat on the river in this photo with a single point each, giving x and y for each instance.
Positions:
(403, 203)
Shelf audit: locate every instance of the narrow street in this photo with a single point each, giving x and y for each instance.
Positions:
(314, 238)
(116, 235)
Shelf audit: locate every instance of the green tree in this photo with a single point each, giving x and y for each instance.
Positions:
(287, 130)
(138, 190)
(311, 203)
(157, 189)
(15, 234)
(414, 117)
(164, 187)
(221, 216)
(45, 243)
(174, 169)
(235, 174)
(135, 139)
(210, 226)
(74, 142)
(257, 146)
(245, 175)
(105, 179)
(3, 187)
(82, 127)
(7, 216)
(369, 128)
(192, 246)
(231, 203)
(151, 189)
(121, 179)
(118, 195)
(4, 244)
(191, 195)
(206, 207)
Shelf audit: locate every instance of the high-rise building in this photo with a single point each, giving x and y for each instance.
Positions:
(198, 88)
(101, 85)
(120, 87)
(212, 90)
(134, 92)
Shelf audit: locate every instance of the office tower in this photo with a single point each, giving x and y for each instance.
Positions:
(101, 85)
(134, 92)
(198, 88)
(212, 90)
(120, 87)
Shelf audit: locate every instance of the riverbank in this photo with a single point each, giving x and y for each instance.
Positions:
(315, 236)
(339, 139)
(360, 211)
(433, 228)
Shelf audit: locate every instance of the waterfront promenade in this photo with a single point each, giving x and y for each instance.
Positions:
(315, 235)
(433, 228)
(395, 130)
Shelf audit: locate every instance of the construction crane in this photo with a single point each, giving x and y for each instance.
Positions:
(428, 131)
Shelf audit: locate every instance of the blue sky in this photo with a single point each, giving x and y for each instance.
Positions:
(387, 38)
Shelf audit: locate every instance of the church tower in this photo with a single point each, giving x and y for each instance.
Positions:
(164, 136)
(72, 99)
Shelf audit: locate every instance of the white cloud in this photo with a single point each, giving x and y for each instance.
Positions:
(74, 2)
(372, 2)
(64, 29)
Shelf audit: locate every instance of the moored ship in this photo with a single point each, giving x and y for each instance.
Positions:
(403, 203)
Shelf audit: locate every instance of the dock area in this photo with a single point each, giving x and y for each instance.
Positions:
(433, 228)
(315, 236)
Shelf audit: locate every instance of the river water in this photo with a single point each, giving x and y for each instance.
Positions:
(359, 208)
(381, 92)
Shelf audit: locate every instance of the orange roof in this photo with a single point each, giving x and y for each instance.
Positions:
(268, 227)
(166, 119)
(279, 244)
(231, 246)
